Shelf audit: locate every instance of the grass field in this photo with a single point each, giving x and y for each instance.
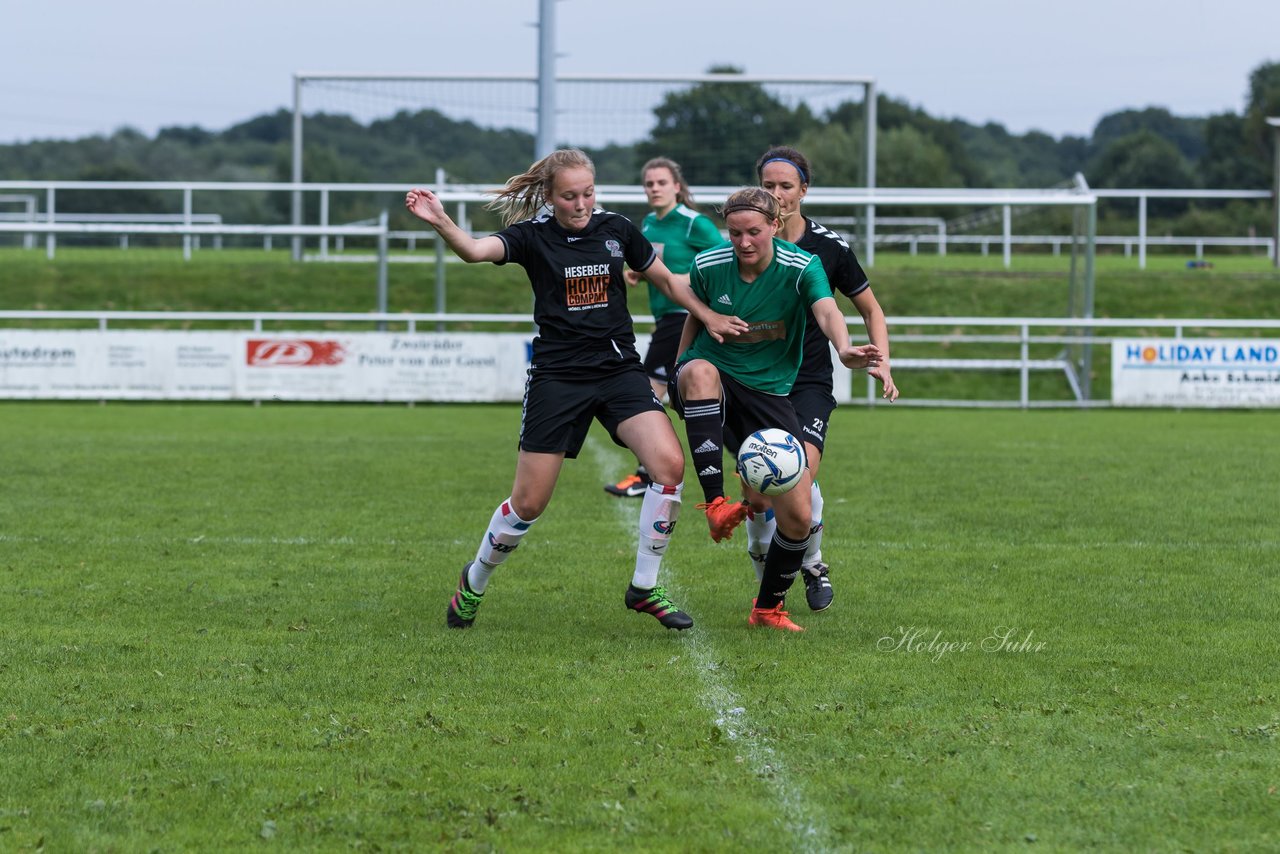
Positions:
(222, 627)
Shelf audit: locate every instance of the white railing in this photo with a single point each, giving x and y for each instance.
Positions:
(1076, 371)
(1056, 242)
(1003, 200)
(1143, 195)
(1019, 334)
(463, 194)
(939, 235)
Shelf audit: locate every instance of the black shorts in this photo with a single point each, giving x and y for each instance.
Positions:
(813, 406)
(660, 359)
(557, 412)
(745, 410)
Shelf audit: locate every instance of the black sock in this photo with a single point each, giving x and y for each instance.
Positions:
(780, 569)
(704, 425)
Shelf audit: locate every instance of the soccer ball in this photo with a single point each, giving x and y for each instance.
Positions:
(770, 461)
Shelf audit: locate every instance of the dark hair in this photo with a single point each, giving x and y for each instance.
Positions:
(752, 199)
(786, 154)
(684, 196)
(527, 192)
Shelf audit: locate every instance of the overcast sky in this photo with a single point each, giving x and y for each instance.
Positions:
(70, 68)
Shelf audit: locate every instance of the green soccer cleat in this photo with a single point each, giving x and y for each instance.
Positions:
(655, 602)
(464, 604)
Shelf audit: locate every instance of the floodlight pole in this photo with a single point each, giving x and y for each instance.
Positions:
(1091, 241)
(1275, 194)
(869, 110)
(296, 206)
(546, 141)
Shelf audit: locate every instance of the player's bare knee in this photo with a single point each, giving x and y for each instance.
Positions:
(793, 513)
(669, 467)
(793, 528)
(527, 506)
(699, 379)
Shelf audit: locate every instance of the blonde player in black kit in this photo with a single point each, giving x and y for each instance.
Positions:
(584, 364)
(786, 174)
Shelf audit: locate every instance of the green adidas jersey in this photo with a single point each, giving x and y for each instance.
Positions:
(767, 356)
(677, 237)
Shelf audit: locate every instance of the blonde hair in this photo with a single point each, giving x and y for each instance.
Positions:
(684, 196)
(526, 193)
(752, 199)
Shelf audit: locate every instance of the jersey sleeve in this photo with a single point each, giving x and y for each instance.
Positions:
(516, 240)
(849, 279)
(698, 282)
(704, 234)
(639, 252)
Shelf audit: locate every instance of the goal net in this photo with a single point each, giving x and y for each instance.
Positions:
(481, 129)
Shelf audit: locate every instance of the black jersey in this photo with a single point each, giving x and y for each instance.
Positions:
(579, 294)
(846, 276)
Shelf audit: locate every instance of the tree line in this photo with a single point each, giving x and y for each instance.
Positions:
(715, 129)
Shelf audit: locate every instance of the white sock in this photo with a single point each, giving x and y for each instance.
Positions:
(658, 516)
(505, 532)
(813, 554)
(760, 528)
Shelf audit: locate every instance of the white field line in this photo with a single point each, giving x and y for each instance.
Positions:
(807, 828)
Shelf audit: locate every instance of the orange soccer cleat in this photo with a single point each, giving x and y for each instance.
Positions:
(772, 618)
(723, 517)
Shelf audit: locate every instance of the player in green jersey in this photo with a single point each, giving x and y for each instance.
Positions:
(727, 389)
(677, 232)
(785, 172)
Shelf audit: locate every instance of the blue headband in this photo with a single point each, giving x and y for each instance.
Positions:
(803, 176)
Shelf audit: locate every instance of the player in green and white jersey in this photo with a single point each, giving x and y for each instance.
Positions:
(785, 172)
(727, 389)
(677, 232)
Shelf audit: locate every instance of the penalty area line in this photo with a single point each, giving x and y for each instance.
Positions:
(716, 694)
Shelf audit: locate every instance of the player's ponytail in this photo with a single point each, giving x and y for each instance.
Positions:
(526, 193)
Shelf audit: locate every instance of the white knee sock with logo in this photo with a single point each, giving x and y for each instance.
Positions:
(658, 516)
(813, 554)
(760, 528)
(504, 534)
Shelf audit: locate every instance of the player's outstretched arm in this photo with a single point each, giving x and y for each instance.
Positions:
(676, 287)
(832, 324)
(687, 334)
(426, 206)
(878, 332)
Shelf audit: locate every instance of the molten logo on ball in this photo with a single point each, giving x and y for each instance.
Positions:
(770, 461)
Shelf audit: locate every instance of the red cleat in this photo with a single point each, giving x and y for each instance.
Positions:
(772, 618)
(723, 517)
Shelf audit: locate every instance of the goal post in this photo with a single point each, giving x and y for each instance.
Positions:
(702, 121)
